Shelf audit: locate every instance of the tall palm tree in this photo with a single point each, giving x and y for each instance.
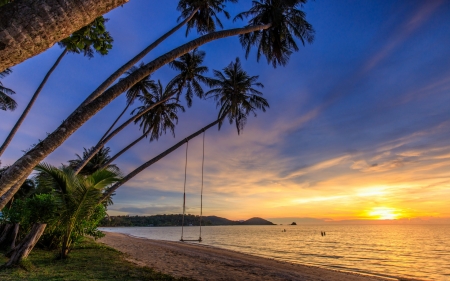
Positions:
(205, 19)
(157, 121)
(6, 102)
(91, 38)
(191, 75)
(235, 95)
(278, 42)
(31, 30)
(99, 99)
(78, 196)
(144, 86)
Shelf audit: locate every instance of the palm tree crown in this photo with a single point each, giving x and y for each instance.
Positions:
(90, 38)
(276, 43)
(161, 117)
(234, 93)
(144, 86)
(205, 19)
(191, 75)
(99, 159)
(6, 102)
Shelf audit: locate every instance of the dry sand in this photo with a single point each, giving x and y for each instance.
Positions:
(209, 263)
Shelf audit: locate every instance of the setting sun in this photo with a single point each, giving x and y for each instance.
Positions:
(384, 213)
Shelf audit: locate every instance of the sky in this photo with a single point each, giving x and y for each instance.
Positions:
(357, 129)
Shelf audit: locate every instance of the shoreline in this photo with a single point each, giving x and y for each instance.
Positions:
(199, 261)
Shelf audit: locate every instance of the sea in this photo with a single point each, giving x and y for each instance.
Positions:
(411, 251)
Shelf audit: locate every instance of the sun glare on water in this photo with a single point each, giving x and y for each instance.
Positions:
(384, 213)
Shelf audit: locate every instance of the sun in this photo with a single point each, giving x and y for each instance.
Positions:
(384, 213)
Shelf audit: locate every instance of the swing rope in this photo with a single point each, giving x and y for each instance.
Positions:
(201, 192)
(184, 191)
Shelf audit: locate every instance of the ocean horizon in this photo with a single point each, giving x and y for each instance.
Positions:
(411, 251)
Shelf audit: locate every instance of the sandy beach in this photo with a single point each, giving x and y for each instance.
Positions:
(209, 263)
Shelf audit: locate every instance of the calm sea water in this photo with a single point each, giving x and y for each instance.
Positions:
(417, 251)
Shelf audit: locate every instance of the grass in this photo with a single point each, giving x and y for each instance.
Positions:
(88, 261)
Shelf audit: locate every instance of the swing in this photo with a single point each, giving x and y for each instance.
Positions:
(201, 195)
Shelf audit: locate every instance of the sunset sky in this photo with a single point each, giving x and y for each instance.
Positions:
(358, 125)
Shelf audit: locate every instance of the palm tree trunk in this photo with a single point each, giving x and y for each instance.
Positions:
(30, 104)
(30, 27)
(5, 198)
(24, 165)
(134, 61)
(24, 248)
(123, 150)
(115, 122)
(155, 159)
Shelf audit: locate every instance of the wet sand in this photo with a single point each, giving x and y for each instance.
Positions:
(209, 263)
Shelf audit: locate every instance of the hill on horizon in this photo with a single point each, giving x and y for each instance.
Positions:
(176, 220)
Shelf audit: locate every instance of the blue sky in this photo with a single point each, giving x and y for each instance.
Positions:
(358, 120)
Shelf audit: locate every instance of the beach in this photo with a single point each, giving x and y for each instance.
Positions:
(210, 263)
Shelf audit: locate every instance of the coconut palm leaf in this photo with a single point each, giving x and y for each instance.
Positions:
(234, 93)
(6, 102)
(278, 42)
(206, 19)
(191, 75)
(162, 117)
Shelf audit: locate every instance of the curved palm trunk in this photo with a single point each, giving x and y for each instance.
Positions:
(30, 104)
(154, 160)
(116, 75)
(123, 150)
(24, 165)
(115, 122)
(30, 27)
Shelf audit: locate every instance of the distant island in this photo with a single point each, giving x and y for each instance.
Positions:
(176, 220)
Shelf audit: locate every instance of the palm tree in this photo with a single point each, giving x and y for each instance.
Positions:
(144, 86)
(191, 75)
(205, 19)
(91, 38)
(276, 43)
(30, 31)
(99, 99)
(157, 121)
(234, 93)
(78, 196)
(6, 102)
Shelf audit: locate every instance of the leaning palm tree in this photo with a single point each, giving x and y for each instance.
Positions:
(235, 95)
(78, 197)
(101, 97)
(191, 75)
(144, 87)
(91, 38)
(6, 102)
